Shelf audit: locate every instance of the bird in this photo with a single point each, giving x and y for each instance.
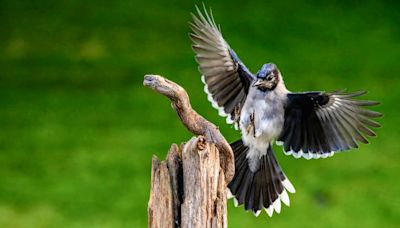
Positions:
(307, 125)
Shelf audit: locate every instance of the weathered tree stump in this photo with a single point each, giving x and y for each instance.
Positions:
(189, 188)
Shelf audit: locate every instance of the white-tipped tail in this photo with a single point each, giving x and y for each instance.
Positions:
(277, 205)
(285, 198)
(288, 185)
(229, 194)
(269, 210)
(257, 213)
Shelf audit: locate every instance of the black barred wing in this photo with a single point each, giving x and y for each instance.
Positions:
(317, 124)
(226, 78)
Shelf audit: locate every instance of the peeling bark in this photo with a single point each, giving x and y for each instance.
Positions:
(194, 122)
(189, 189)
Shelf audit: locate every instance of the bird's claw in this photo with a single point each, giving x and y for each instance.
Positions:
(248, 129)
(252, 122)
(251, 125)
(237, 115)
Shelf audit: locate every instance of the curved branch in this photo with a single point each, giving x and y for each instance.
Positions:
(194, 122)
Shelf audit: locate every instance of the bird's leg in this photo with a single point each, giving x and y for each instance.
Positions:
(251, 125)
(248, 129)
(237, 115)
(252, 122)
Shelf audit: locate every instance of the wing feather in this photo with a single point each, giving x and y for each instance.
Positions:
(225, 77)
(317, 124)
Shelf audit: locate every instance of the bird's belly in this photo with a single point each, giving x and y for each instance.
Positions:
(264, 129)
(265, 133)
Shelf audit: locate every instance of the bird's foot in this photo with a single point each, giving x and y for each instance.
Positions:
(237, 115)
(252, 123)
(248, 129)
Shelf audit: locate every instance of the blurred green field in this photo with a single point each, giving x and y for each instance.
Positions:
(78, 129)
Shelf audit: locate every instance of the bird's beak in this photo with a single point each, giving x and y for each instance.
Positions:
(257, 83)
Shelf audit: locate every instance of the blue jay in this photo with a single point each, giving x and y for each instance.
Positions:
(311, 125)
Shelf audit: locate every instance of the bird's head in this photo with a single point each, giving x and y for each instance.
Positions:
(267, 78)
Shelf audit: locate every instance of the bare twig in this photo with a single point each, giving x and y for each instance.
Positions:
(194, 122)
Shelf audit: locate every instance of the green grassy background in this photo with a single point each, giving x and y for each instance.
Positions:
(78, 129)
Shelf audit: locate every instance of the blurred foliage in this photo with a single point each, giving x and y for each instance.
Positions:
(78, 129)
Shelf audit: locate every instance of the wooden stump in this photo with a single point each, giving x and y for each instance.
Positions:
(189, 188)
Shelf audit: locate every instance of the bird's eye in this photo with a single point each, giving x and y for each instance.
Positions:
(270, 77)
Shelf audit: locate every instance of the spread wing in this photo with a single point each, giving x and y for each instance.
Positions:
(226, 78)
(317, 124)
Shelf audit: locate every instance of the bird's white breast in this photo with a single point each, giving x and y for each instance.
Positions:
(268, 121)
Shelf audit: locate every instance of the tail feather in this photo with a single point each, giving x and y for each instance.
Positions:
(240, 157)
(263, 189)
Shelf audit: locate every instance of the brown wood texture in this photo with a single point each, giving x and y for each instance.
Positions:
(189, 189)
(194, 122)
